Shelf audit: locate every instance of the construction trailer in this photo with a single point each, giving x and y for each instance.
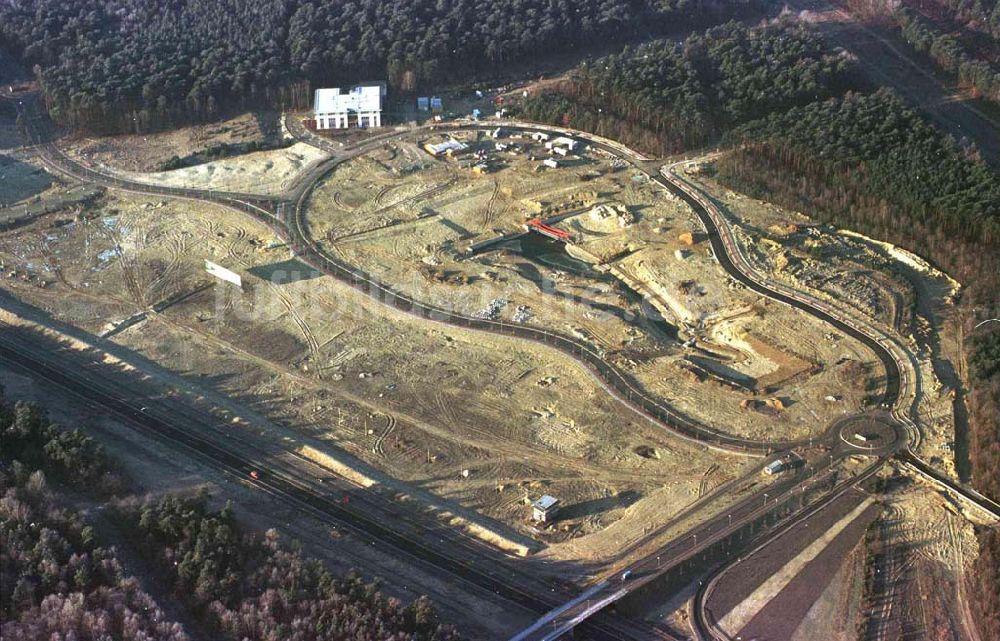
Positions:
(447, 148)
(774, 467)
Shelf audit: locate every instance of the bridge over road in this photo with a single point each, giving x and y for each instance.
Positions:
(805, 491)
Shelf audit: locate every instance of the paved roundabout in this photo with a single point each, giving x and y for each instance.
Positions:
(870, 434)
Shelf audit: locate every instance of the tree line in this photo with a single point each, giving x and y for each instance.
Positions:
(981, 15)
(136, 65)
(949, 53)
(871, 163)
(260, 588)
(669, 96)
(57, 580)
(984, 406)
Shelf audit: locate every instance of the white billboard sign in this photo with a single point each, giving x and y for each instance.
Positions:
(224, 274)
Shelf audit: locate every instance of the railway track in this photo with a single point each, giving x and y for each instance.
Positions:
(294, 229)
(364, 523)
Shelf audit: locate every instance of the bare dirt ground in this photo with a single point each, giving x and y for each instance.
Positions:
(146, 153)
(482, 421)
(937, 541)
(263, 172)
(873, 281)
(638, 281)
(785, 613)
(837, 608)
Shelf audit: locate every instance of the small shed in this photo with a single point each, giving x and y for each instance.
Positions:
(423, 103)
(436, 105)
(774, 467)
(544, 509)
(548, 162)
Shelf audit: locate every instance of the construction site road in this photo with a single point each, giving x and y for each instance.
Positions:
(782, 495)
(293, 228)
(704, 625)
(614, 380)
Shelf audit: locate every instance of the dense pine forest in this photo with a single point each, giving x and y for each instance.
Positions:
(871, 163)
(981, 15)
(58, 581)
(666, 96)
(252, 588)
(120, 65)
(959, 37)
(958, 58)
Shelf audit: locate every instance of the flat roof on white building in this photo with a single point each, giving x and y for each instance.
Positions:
(546, 502)
(366, 97)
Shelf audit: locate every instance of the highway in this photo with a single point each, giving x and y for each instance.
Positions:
(704, 625)
(428, 544)
(286, 215)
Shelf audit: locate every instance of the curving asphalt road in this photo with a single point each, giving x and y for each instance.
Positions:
(616, 381)
(286, 216)
(294, 229)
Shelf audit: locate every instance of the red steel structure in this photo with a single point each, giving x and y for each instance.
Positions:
(548, 230)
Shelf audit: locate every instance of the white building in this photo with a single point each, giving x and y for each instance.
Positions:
(336, 108)
(544, 509)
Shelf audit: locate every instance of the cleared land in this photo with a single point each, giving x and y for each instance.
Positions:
(872, 281)
(148, 152)
(484, 421)
(638, 280)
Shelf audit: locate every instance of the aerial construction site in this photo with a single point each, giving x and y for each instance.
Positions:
(551, 382)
